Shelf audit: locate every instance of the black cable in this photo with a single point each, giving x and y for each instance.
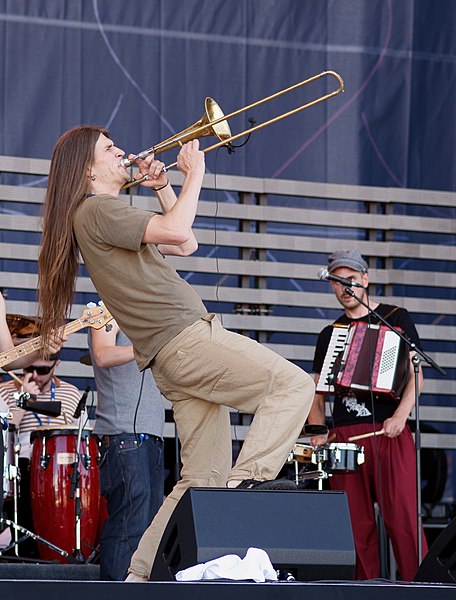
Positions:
(138, 442)
(217, 266)
(231, 147)
(138, 403)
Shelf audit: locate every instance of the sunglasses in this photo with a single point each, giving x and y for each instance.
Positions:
(39, 370)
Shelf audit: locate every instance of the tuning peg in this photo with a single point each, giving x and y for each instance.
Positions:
(91, 305)
(100, 303)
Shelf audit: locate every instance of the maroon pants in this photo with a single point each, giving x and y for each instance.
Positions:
(388, 477)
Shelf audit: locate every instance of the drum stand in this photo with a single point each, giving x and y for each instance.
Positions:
(28, 534)
(13, 474)
(319, 473)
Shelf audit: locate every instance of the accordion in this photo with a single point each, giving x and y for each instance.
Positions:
(366, 357)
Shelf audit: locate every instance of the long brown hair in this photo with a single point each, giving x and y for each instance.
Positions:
(58, 260)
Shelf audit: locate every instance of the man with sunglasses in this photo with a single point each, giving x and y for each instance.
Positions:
(39, 379)
(6, 343)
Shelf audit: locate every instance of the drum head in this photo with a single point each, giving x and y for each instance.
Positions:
(344, 446)
(47, 432)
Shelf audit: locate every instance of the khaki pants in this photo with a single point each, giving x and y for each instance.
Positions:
(203, 371)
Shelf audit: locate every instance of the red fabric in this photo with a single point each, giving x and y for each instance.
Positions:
(388, 477)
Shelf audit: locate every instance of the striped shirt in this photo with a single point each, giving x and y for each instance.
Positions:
(66, 393)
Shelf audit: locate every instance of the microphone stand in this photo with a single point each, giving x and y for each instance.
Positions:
(75, 490)
(416, 360)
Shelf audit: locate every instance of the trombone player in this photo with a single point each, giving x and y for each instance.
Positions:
(199, 366)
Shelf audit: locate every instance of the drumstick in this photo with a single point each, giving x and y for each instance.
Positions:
(14, 376)
(365, 435)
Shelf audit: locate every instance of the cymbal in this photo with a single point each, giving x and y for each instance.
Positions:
(21, 326)
(85, 359)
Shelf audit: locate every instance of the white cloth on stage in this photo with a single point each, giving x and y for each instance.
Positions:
(255, 565)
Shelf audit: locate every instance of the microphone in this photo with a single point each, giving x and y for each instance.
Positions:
(325, 275)
(82, 403)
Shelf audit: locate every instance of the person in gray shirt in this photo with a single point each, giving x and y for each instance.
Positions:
(130, 420)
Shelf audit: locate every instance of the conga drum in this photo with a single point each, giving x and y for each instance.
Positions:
(51, 478)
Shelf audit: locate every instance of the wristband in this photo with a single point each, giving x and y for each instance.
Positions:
(160, 188)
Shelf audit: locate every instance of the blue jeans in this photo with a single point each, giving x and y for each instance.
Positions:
(131, 480)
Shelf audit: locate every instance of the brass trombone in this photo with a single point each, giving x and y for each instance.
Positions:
(214, 123)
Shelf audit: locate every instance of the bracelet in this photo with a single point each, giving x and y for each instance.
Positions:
(160, 188)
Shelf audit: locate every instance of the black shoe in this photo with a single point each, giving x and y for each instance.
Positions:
(273, 484)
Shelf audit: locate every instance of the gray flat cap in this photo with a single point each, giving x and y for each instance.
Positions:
(351, 259)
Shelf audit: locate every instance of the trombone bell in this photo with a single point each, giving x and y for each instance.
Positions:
(213, 113)
(201, 128)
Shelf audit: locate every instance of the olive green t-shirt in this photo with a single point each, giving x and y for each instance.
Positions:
(149, 300)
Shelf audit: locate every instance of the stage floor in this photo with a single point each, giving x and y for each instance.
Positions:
(73, 582)
(325, 590)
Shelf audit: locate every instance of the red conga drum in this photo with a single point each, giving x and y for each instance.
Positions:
(51, 473)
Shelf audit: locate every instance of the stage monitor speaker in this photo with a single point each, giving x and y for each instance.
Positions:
(306, 533)
(439, 564)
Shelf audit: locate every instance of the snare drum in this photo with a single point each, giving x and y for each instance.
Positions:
(51, 469)
(343, 457)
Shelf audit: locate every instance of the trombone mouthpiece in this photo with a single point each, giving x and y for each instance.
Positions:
(126, 162)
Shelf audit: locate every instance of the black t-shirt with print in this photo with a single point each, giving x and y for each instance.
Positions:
(355, 406)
